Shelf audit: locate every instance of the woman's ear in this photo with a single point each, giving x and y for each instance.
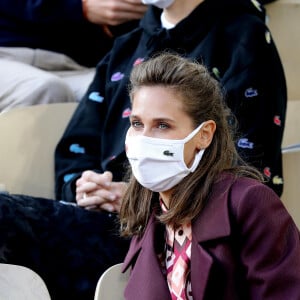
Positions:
(206, 134)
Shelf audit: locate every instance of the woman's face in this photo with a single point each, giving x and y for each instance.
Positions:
(157, 112)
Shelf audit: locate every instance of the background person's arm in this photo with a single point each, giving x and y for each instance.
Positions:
(80, 146)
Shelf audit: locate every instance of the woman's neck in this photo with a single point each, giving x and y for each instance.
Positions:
(180, 9)
(165, 197)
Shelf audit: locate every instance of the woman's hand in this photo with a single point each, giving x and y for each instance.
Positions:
(98, 191)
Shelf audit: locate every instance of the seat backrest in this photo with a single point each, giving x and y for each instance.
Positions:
(291, 173)
(28, 137)
(111, 284)
(283, 21)
(18, 282)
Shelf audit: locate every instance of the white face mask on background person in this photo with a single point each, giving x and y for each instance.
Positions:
(158, 164)
(158, 3)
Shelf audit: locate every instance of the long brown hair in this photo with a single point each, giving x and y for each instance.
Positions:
(202, 100)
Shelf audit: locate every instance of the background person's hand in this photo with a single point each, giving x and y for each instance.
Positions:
(98, 191)
(113, 12)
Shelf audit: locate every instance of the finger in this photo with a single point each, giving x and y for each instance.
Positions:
(96, 198)
(92, 207)
(87, 174)
(129, 5)
(83, 178)
(108, 207)
(103, 180)
(105, 196)
(87, 187)
(118, 188)
(129, 12)
(135, 8)
(89, 201)
(135, 2)
(125, 9)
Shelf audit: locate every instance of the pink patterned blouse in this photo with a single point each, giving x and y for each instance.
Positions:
(177, 260)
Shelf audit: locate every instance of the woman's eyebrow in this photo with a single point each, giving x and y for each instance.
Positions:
(162, 119)
(166, 119)
(134, 116)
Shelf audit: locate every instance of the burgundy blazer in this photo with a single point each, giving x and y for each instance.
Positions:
(245, 245)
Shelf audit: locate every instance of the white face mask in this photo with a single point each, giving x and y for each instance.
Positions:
(158, 3)
(158, 164)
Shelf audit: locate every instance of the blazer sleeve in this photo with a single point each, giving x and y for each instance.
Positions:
(269, 243)
(79, 149)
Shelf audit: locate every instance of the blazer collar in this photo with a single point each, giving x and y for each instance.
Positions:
(213, 223)
(146, 280)
(145, 242)
(214, 220)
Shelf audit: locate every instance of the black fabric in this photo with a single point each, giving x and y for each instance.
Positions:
(231, 38)
(55, 25)
(266, 1)
(69, 247)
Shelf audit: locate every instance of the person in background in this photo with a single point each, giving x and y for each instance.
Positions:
(203, 224)
(49, 49)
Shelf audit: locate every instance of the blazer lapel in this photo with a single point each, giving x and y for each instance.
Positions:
(146, 280)
(213, 223)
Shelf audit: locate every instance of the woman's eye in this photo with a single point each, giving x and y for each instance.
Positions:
(163, 126)
(136, 124)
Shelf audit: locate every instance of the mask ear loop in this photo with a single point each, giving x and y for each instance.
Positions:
(193, 133)
(199, 155)
(197, 160)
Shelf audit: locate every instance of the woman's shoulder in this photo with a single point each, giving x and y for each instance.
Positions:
(227, 177)
(249, 201)
(248, 197)
(246, 191)
(243, 185)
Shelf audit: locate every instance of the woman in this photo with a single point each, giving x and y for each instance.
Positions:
(204, 226)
